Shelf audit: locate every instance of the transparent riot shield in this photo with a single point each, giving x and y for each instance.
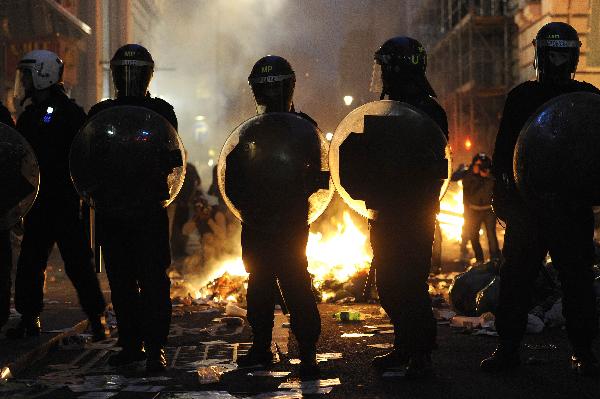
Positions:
(273, 171)
(401, 144)
(126, 160)
(19, 177)
(557, 155)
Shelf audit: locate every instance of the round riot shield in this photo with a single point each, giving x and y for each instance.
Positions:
(126, 160)
(19, 176)
(401, 142)
(273, 171)
(557, 155)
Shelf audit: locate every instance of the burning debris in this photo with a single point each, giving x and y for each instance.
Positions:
(338, 251)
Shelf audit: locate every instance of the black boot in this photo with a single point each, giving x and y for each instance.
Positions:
(29, 326)
(505, 357)
(98, 329)
(309, 369)
(126, 357)
(156, 361)
(258, 355)
(583, 362)
(393, 360)
(419, 366)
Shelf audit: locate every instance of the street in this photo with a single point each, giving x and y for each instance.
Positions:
(203, 336)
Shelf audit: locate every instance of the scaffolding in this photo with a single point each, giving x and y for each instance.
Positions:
(470, 47)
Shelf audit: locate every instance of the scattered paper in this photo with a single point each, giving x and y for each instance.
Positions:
(315, 390)
(279, 395)
(328, 356)
(309, 384)
(269, 373)
(381, 346)
(356, 335)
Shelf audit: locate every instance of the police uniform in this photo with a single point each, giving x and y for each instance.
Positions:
(568, 238)
(277, 260)
(137, 254)
(50, 126)
(401, 238)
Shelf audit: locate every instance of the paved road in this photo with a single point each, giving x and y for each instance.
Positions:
(200, 337)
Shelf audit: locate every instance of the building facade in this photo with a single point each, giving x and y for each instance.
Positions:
(84, 33)
(583, 15)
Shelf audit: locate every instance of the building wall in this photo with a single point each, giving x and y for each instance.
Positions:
(583, 15)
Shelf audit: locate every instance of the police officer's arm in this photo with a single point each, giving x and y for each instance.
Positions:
(508, 132)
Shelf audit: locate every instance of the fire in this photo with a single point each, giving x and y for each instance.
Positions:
(339, 254)
(451, 213)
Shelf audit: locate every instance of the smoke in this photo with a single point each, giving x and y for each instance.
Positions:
(205, 49)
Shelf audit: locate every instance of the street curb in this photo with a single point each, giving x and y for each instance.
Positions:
(39, 352)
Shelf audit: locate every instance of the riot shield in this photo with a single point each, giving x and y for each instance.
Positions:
(381, 148)
(19, 176)
(273, 171)
(126, 160)
(557, 155)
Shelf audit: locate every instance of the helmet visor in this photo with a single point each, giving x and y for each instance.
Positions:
(23, 83)
(131, 80)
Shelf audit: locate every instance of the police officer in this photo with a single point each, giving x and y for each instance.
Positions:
(136, 249)
(49, 124)
(5, 247)
(477, 200)
(526, 242)
(402, 234)
(279, 259)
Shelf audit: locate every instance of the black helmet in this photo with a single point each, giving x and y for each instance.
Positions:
(485, 162)
(556, 37)
(402, 59)
(272, 80)
(132, 67)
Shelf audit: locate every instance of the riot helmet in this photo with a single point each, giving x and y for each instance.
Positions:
(132, 67)
(556, 52)
(400, 63)
(272, 81)
(37, 70)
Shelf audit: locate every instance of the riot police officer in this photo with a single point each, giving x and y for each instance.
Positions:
(136, 249)
(402, 233)
(49, 124)
(5, 247)
(278, 259)
(527, 241)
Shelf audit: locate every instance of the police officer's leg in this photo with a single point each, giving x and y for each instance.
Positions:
(524, 250)
(120, 259)
(489, 220)
(5, 271)
(75, 251)
(258, 258)
(37, 243)
(572, 250)
(403, 290)
(296, 286)
(153, 259)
